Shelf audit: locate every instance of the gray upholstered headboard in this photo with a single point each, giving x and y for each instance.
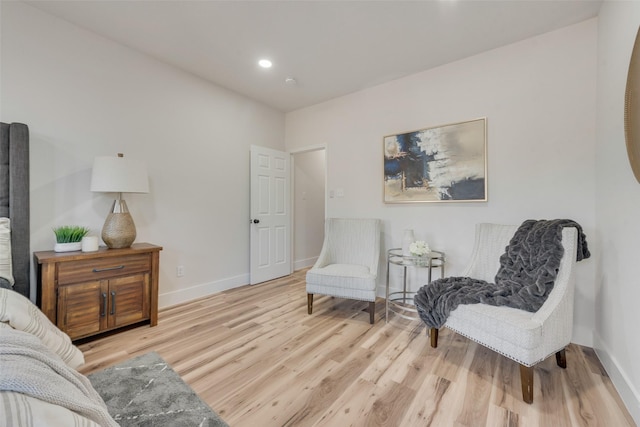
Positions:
(14, 198)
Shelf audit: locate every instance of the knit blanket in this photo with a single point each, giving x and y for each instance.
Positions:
(526, 276)
(28, 367)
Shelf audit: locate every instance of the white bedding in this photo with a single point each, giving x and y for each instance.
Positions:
(26, 411)
(6, 266)
(39, 386)
(20, 313)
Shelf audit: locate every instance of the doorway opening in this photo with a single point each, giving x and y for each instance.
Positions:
(309, 205)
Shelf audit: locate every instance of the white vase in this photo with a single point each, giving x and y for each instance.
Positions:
(407, 240)
(67, 247)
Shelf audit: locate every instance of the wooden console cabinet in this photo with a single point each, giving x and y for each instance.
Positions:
(86, 293)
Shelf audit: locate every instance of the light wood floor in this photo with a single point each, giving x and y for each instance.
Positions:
(256, 357)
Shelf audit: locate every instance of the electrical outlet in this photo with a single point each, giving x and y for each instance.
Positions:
(180, 271)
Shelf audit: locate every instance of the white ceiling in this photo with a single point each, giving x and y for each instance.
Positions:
(331, 48)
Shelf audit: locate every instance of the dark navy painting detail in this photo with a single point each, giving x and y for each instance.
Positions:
(445, 163)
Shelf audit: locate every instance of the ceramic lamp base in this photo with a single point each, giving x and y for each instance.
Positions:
(119, 231)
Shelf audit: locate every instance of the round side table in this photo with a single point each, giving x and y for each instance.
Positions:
(401, 302)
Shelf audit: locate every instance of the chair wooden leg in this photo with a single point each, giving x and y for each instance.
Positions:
(526, 378)
(433, 334)
(561, 359)
(309, 303)
(372, 310)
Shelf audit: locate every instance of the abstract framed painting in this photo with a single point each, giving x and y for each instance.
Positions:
(446, 163)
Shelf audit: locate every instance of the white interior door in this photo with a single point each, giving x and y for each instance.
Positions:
(270, 214)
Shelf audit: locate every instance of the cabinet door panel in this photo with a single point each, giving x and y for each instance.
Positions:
(81, 308)
(128, 300)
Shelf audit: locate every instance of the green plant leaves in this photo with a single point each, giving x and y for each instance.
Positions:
(70, 233)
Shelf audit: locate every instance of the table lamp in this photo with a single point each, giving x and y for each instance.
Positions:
(119, 175)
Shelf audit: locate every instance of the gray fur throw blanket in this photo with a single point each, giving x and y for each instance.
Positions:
(527, 272)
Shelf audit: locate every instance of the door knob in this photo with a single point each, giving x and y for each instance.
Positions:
(256, 221)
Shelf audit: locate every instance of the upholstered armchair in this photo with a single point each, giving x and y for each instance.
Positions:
(527, 338)
(348, 263)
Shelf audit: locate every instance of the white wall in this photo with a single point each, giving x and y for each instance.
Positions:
(617, 287)
(309, 206)
(539, 99)
(84, 96)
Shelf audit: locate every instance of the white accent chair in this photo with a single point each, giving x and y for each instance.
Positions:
(348, 263)
(527, 338)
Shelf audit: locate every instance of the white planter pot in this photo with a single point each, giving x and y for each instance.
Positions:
(67, 247)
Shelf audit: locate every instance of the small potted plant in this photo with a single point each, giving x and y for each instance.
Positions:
(69, 238)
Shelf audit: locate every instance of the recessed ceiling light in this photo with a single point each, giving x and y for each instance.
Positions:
(265, 63)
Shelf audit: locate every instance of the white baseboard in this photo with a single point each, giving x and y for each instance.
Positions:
(304, 263)
(620, 379)
(168, 299)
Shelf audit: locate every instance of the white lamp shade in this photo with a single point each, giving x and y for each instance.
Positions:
(119, 175)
